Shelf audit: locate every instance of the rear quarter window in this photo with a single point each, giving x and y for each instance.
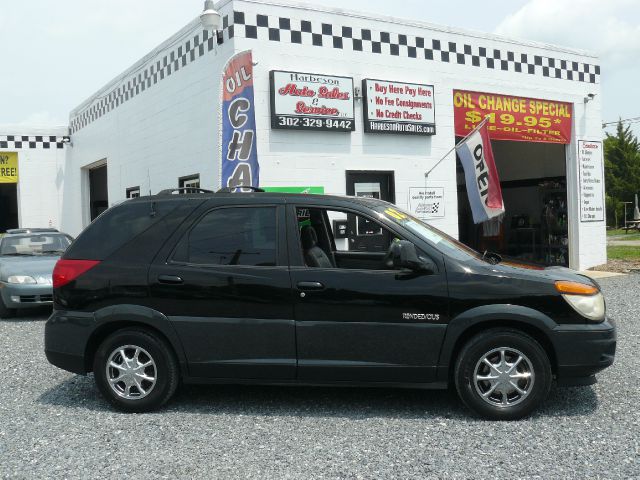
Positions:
(116, 227)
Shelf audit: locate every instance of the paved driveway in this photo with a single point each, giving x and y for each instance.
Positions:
(55, 424)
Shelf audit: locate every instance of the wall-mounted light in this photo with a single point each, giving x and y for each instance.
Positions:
(589, 97)
(210, 18)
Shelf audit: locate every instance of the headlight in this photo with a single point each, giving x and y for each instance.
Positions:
(21, 279)
(587, 300)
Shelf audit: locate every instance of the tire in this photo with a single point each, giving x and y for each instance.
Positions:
(6, 312)
(494, 394)
(140, 348)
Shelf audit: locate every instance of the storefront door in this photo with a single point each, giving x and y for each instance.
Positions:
(371, 184)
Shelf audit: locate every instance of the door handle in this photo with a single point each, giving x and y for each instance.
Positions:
(170, 279)
(310, 286)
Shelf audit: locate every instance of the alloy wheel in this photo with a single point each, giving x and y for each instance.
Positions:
(504, 377)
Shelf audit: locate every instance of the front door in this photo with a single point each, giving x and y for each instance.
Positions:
(358, 320)
(225, 287)
(368, 184)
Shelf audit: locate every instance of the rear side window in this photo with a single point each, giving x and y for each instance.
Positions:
(116, 227)
(231, 236)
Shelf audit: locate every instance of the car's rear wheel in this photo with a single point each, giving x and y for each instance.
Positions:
(503, 374)
(6, 312)
(135, 370)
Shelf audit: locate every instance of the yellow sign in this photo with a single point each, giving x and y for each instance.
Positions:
(8, 167)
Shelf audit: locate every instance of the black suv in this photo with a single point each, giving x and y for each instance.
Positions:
(317, 290)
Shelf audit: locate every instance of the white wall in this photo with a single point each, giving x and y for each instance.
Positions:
(170, 130)
(40, 174)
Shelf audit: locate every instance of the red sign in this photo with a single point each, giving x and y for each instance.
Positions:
(513, 118)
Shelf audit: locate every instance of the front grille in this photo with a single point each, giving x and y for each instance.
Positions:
(36, 298)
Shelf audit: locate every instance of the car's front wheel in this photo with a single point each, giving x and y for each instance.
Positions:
(503, 374)
(135, 370)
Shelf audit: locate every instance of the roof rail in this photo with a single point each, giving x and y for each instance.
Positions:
(233, 189)
(171, 191)
(13, 231)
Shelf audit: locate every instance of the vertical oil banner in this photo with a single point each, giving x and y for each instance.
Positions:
(239, 159)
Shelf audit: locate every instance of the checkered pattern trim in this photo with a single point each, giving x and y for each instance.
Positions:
(340, 37)
(16, 142)
(171, 62)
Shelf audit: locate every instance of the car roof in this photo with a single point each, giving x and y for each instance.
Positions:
(23, 231)
(264, 197)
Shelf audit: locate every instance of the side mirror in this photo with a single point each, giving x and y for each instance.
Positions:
(407, 257)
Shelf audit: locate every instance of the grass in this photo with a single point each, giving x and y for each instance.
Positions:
(623, 253)
(619, 232)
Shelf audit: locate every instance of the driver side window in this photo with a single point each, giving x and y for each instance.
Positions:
(339, 239)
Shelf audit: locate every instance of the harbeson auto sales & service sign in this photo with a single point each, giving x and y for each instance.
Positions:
(393, 107)
(513, 118)
(238, 124)
(309, 101)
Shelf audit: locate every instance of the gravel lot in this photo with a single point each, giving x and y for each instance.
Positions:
(55, 424)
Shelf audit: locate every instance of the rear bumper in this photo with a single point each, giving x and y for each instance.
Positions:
(583, 350)
(26, 296)
(66, 338)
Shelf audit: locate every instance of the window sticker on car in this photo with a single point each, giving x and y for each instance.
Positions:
(392, 212)
(422, 230)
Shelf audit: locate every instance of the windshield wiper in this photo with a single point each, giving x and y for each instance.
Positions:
(16, 254)
(492, 257)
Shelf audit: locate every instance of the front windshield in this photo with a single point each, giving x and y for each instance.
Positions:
(34, 244)
(445, 243)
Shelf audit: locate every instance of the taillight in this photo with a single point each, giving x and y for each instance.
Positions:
(66, 271)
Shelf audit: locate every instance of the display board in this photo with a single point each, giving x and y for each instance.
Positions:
(394, 107)
(309, 101)
(426, 203)
(590, 164)
(8, 167)
(513, 118)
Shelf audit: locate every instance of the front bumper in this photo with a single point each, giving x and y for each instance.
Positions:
(583, 350)
(26, 296)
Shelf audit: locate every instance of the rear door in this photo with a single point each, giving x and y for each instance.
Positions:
(360, 321)
(224, 284)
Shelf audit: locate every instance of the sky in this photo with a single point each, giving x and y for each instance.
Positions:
(56, 54)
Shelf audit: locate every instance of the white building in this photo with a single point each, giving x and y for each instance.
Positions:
(156, 125)
(32, 163)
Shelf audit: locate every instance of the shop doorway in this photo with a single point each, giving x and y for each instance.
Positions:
(534, 189)
(98, 191)
(370, 184)
(8, 206)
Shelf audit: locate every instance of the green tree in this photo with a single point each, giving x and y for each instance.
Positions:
(622, 170)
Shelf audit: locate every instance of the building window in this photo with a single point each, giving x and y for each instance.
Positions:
(191, 181)
(133, 192)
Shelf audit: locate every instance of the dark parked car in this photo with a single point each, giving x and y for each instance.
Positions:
(27, 258)
(318, 290)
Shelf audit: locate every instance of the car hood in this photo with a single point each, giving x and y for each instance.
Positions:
(27, 265)
(513, 268)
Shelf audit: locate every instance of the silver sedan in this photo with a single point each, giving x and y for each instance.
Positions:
(27, 258)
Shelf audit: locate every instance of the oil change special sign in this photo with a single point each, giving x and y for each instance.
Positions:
(513, 118)
(8, 167)
(309, 101)
(591, 181)
(393, 107)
